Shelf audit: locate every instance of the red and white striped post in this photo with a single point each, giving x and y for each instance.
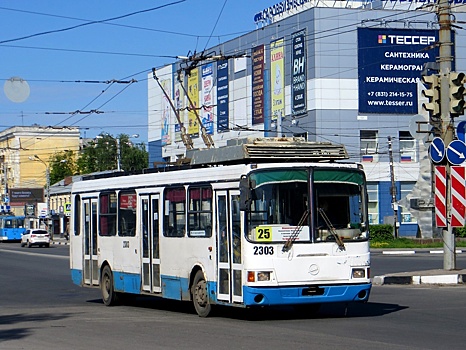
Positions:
(458, 196)
(440, 196)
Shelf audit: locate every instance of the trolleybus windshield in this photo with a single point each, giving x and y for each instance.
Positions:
(280, 208)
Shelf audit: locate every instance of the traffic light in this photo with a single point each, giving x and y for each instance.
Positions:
(432, 83)
(457, 102)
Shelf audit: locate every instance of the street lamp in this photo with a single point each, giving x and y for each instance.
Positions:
(47, 189)
(135, 136)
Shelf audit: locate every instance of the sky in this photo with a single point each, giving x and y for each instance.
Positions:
(82, 56)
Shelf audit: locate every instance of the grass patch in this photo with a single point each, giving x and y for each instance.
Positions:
(401, 243)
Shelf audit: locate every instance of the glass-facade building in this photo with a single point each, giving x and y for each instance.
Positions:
(348, 72)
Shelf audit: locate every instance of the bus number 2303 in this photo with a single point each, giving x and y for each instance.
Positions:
(263, 250)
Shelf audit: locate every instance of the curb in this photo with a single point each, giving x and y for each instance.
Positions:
(417, 279)
(60, 243)
(410, 252)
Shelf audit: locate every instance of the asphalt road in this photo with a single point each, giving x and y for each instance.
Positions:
(41, 309)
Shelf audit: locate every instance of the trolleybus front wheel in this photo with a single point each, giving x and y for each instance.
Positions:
(200, 295)
(109, 296)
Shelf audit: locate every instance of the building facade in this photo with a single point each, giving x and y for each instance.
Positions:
(348, 72)
(25, 153)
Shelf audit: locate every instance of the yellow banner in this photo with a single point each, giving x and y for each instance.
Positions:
(277, 63)
(193, 93)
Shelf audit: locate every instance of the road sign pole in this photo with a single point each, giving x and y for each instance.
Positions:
(445, 59)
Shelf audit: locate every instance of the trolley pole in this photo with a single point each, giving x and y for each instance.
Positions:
(447, 123)
(393, 188)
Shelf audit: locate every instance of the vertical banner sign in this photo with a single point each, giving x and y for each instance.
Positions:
(277, 67)
(193, 93)
(258, 84)
(207, 116)
(166, 112)
(179, 104)
(440, 196)
(222, 96)
(458, 196)
(390, 62)
(298, 72)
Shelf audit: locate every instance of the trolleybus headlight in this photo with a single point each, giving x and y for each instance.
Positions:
(260, 276)
(263, 276)
(359, 273)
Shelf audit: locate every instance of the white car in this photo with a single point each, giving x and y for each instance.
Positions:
(38, 237)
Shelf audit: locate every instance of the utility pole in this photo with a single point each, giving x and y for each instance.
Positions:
(47, 189)
(49, 212)
(447, 124)
(393, 188)
(118, 154)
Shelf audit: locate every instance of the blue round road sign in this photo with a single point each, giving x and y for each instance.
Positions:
(437, 150)
(461, 131)
(456, 152)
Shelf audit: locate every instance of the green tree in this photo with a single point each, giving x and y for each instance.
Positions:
(134, 157)
(104, 152)
(62, 164)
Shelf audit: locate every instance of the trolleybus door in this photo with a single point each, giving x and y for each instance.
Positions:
(150, 243)
(91, 267)
(229, 258)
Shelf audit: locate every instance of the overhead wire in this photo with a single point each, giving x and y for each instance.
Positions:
(91, 22)
(206, 45)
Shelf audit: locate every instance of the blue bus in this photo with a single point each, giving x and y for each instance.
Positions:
(11, 227)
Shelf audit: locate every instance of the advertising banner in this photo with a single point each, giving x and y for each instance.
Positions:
(22, 196)
(179, 103)
(222, 96)
(193, 93)
(298, 72)
(277, 66)
(207, 116)
(166, 112)
(258, 84)
(390, 63)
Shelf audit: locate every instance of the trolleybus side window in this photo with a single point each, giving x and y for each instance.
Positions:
(108, 214)
(174, 224)
(127, 213)
(200, 211)
(77, 215)
(236, 226)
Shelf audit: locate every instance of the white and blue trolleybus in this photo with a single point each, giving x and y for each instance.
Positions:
(256, 223)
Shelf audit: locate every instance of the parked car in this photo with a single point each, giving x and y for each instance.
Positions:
(38, 237)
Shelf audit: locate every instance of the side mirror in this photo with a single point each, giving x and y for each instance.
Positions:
(244, 194)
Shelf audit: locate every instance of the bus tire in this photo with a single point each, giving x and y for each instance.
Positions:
(109, 296)
(200, 296)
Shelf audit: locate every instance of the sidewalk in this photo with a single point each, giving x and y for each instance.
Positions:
(423, 277)
(439, 276)
(59, 240)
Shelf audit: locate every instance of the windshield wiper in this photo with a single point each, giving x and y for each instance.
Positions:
(289, 243)
(330, 227)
